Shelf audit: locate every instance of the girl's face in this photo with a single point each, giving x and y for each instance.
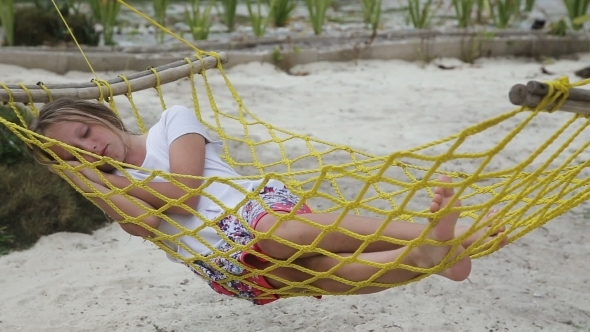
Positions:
(92, 137)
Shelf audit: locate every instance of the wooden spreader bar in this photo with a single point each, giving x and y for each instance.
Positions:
(533, 92)
(138, 81)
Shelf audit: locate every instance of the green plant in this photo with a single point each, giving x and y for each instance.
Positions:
(6, 241)
(44, 4)
(424, 51)
(281, 11)
(160, 7)
(420, 14)
(576, 9)
(13, 149)
(503, 11)
(558, 28)
(49, 27)
(581, 20)
(283, 59)
(258, 21)
(199, 21)
(74, 5)
(463, 10)
(317, 13)
(34, 201)
(481, 6)
(372, 13)
(229, 13)
(471, 49)
(106, 12)
(528, 5)
(277, 54)
(7, 20)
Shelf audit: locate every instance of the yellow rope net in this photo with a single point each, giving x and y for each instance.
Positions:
(536, 187)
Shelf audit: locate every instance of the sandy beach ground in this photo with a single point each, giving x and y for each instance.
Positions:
(108, 281)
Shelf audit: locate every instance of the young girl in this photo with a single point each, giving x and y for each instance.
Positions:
(179, 144)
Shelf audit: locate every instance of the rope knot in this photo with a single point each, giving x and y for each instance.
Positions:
(558, 92)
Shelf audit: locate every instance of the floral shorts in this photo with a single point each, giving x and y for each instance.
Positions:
(277, 199)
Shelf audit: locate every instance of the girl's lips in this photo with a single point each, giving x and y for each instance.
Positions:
(104, 151)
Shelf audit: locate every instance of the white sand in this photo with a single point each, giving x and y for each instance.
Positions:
(110, 282)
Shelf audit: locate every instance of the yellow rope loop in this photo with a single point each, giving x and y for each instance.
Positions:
(158, 87)
(108, 98)
(98, 84)
(31, 103)
(9, 92)
(13, 105)
(558, 92)
(129, 95)
(194, 95)
(49, 95)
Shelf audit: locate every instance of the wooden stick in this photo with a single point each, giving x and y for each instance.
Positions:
(138, 81)
(541, 89)
(530, 95)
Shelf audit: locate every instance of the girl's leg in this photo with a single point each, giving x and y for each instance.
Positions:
(334, 241)
(423, 256)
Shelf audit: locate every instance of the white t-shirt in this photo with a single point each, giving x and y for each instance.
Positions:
(174, 123)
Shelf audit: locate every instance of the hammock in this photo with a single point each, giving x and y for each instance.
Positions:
(534, 189)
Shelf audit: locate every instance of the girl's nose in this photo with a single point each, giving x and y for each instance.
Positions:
(90, 147)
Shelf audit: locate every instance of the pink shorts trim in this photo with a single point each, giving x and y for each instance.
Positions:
(277, 208)
(261, 280)
(217, 270)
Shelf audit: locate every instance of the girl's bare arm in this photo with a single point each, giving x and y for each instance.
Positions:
(132, 208)
(187, 157)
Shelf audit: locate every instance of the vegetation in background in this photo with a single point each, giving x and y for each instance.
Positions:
(528, 5)
(7, 20)
(39, 27)
(41, 24)
(160, 7)
(503, 11)
(105, 12)
(463, 11)
(372, 13)
(12, 149)
(281, 11)
(6, 241)
(317, 13)
(258, 21)
(420, 14)
(481, 6)
(199, 20)
(576, 9)
(36, 202)
(229, 13)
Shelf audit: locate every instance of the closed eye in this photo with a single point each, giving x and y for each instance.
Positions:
(86, 131)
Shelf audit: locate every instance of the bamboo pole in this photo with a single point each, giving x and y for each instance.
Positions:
(533, 92)
(138, 81)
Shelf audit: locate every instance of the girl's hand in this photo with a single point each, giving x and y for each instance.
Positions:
(67, 174)
(93, 175)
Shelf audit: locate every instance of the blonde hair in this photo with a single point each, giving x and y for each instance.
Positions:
(66, 109)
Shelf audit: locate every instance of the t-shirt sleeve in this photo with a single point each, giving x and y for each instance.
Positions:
(179, 121)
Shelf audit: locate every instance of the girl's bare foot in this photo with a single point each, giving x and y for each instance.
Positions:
(460, 230)
(491, 238)
(430, 255)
